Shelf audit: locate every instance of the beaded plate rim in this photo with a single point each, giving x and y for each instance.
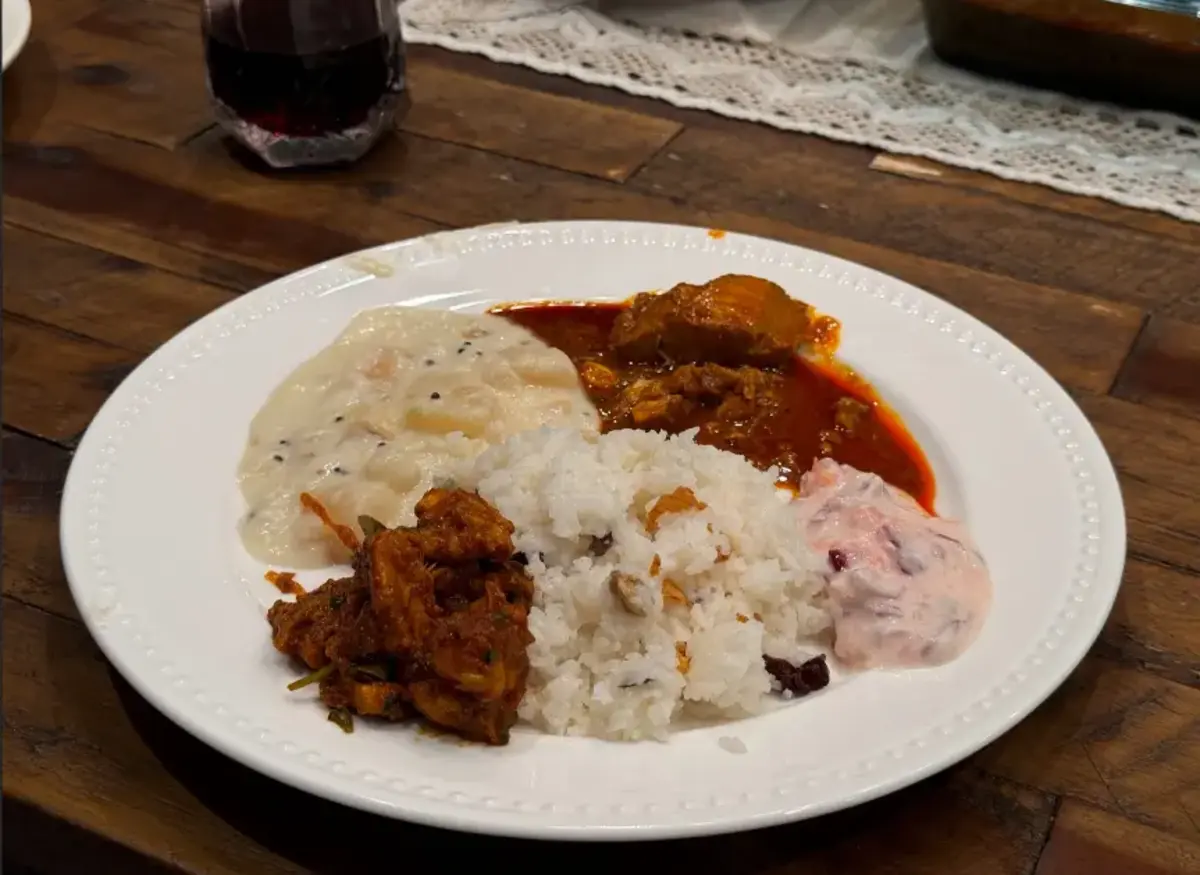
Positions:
(127, 641)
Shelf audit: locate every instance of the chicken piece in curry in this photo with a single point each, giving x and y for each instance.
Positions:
(732, 320)
(742, 362)
(435, 622)
(656, 402)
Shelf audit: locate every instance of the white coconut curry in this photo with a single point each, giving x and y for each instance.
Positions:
(397, 403)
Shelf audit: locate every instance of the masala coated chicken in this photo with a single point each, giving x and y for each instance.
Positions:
(671, 401)
(435, 621)
(732, 320)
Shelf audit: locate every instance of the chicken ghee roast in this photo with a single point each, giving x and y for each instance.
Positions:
(434, 621)
(747, 506)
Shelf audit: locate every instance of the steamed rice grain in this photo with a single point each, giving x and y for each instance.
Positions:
(579, 503)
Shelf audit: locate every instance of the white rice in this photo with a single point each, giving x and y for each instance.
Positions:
(599, 670)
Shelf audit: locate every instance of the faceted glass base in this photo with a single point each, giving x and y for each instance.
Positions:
(341, 147)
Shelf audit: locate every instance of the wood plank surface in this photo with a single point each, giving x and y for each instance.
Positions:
(1118, 738)
(216, 268)
(1155, 624)
(545, 129)
(127, 215)
(33, 475)
(559, 131)
(1164, 367)
(107, 297)
(931, 171)
(71, 744)
(110, 182)
(47, 844)
(1087, 840)
(148, 90)
(803, 186)
(54, 16)
(123, 88)
(852, 157)
(222, 208)
(220, 199)
(54, 382)
(1154, 453)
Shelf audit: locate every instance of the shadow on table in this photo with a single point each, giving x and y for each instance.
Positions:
(38, 843)
(29, 88)
(935, 826)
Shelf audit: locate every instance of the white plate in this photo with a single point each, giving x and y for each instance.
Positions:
(15, 20)
(160, 577)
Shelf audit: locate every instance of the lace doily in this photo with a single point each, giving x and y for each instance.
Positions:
(860, 72)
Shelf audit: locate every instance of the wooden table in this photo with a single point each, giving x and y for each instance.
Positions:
(125, 218)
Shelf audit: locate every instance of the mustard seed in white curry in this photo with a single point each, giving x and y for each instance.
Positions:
(375, 417)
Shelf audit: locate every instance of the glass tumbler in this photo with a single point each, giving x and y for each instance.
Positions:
(305, 82)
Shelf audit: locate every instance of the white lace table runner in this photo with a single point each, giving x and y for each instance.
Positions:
(855, 70)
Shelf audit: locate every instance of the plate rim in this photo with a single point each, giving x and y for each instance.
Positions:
(440, 813)
(24, 16)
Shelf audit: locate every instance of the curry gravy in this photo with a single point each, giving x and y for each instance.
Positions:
(826, 411)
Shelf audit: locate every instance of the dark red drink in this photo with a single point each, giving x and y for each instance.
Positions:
(304, 83)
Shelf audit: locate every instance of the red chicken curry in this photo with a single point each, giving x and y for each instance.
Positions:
(720, 358)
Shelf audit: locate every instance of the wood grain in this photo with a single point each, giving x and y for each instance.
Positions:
(34, 472)
(221, 207)
(107, 297)
(38, 843)
(152, 92)
(1186, 309)
(547, 83)
(55, 382)
(1089, 840)
(80, 742)
(714, 170)
(766, 139)
(1164, 368)
(1163, 522)
(1117, 738)
(1036, 195)
(127, 216)
(108, 237)
(123, 88)
(71, 747)
(435, 181)
(1160, 477)
(75, 175)
(52, 16)
(1155, 624)
(166, 25)
(546, 129)
(561, 132)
